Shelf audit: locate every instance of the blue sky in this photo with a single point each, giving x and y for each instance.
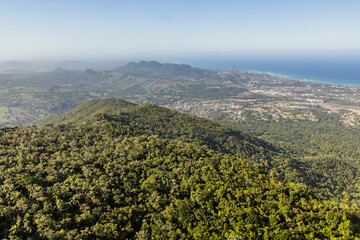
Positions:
(78, 29)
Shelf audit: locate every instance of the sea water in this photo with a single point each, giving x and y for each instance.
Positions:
(340, 70)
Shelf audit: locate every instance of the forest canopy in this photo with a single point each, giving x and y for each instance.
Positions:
(120, 177)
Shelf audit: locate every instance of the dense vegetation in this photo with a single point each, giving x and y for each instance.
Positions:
(151, 119)
(308, 138)
(337, 182)
(330, 149)
(100, 180)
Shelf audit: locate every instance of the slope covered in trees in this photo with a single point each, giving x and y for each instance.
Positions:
(90, 109)
(111, 179)
(152, 119)
(340, 182)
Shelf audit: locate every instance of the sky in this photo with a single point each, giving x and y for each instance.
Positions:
(90, 29)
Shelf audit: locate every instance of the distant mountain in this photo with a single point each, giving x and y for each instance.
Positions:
(163, 70)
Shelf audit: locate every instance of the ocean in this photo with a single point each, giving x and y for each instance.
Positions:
(339, 70)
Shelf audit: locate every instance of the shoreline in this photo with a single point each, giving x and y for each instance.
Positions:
(288, 76)
(336, 71)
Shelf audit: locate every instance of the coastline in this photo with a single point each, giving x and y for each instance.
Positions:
(288, 76)
(342, 71)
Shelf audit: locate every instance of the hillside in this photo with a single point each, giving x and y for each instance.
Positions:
(152, 119)
(109, 178)
(149, 119)
(93, 107)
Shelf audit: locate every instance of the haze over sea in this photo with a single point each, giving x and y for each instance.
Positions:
(340, 70)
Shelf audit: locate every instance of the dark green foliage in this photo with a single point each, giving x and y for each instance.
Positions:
(100, 180)
(306, 138)
(328, 149)
(151, 119)
(91, 108)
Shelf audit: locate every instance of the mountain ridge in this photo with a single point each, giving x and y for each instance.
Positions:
(162, 70)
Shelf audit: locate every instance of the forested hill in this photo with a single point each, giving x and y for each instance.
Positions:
(90, 109)
(152, 119)
(118, 177)
(327, 180)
